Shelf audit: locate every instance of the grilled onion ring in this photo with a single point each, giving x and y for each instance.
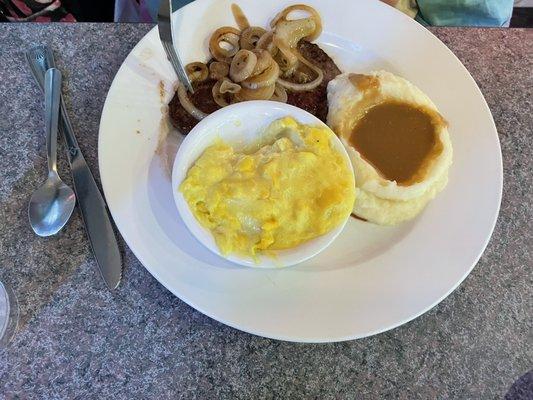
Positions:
(266, 78)
(228, 35)
(197, 71)
(220, 98)
(218, 70)
(186, 103)
(242, 65)
(264, 93)
(250, 36)
(227, 86)
(313, 14)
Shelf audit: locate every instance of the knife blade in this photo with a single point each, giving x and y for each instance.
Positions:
(92, 205)
(164, 26)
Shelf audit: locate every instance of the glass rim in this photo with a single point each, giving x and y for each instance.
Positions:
(9, 326)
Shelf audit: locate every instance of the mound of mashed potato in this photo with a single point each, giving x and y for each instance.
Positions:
(383, 198)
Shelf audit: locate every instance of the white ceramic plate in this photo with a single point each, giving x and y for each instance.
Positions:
(371, 278)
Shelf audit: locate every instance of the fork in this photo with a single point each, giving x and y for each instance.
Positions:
(164, 25)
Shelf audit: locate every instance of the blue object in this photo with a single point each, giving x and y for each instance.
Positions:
(465, 12)
(141, 10)
(180, 3)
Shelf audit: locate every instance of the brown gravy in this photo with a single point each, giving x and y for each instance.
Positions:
(396, 138)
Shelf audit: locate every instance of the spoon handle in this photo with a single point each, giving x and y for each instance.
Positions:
(52, 97)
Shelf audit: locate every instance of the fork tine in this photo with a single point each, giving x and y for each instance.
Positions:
(178, 66)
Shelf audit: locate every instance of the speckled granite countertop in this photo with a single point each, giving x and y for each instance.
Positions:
(77, 340)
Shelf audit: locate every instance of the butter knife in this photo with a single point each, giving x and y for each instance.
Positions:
(164, 26)
(90, 201)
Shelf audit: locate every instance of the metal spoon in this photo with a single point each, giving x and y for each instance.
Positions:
(52, 204)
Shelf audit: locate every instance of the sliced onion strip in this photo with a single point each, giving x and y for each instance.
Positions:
(264, 59)
(227, 86)
(302, 87)
(240, 18)
(266, 78)
(280, 94)
(265, 43)
(264, 93)
(313, 14)
(186, 103)
(220, 98)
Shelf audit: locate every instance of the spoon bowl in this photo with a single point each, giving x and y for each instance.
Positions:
(51, 206)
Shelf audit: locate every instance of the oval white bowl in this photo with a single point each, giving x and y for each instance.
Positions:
(243, 123)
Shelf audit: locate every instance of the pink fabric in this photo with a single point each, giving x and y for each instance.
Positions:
(56, 4)
(68, 18)
(43, 11)
(22, 7)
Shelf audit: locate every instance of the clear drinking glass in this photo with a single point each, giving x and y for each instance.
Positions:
(9, 314)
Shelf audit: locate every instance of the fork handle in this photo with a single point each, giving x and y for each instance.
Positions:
(175, 60)
(40, 59)
(52, 97)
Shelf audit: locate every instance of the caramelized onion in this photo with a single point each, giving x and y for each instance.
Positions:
(220, 98)
(265, 43)
(186, 103)
(197, 71)
(313, 14)
(255, 64)
(287, 34)
(250, 36)
(280, 94)
(291, 32)
(242, 65)
(287, 66)
(240, 18)
(264, 93)
(301, 87)
(266, 78)
(218, 70)
(227, 86)
(227, 35)
(264, 59)
(301, 77)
